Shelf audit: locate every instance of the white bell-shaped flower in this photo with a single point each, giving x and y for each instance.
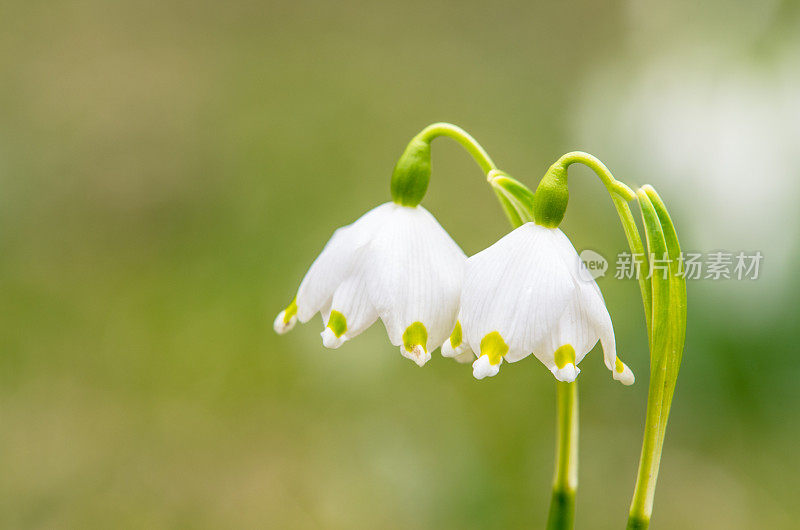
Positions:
(395, 262)
(527, 294)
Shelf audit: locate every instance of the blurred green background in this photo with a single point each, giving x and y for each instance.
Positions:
(168, 171)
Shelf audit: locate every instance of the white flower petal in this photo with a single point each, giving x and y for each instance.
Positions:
(418, 354)
(452, 353)
(567, 374)
(482, 368)
(461, 353)
(593, 306)
(351, 303)
(575, 327)
(465, 357)
(281, 326)
(597, 313)
(416, 274)
(517, 287)
(448, 350)
(528, 289)
(335, 262)
(330, 340)
(625, 376)
(395, 262)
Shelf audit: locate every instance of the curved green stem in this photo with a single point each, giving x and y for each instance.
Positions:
(514, 197)
(637, 253)
(461, 136)
(565, 477)
(602, 171)
(412, 172)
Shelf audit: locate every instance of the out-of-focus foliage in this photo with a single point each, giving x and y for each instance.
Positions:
(168, 171)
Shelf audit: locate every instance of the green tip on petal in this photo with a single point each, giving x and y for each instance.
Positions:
(494, 347)
(415, 344)
(415, 335)
(564, 355)
(455, 336)
(286, 319)
(290, 311)
(337, 323)
(619, 366)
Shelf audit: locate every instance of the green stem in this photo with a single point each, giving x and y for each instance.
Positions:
(602, 171)
(412, 172)
(461, 136)
(637, 253)
(565, 477)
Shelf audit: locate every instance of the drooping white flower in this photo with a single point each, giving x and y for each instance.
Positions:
(526, 294)
(395, 262)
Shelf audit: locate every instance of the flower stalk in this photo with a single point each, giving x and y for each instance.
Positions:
(429, 133)
(565, 476)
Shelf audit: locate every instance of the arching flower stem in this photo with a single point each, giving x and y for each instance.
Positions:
(413, 169)
(461, 136)
(612, 184)
(637, 253)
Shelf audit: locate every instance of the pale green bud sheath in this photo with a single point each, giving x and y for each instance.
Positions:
(412, 173)
(552, 196)
(413, 170)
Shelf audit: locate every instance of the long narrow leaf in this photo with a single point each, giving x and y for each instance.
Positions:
(677, 305)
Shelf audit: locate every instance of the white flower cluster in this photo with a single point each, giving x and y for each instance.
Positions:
(523, 295)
